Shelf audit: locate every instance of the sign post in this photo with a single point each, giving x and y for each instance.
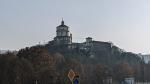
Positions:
(73, 77)
(76, 80)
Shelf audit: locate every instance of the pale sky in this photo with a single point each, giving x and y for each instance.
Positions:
(126, 23)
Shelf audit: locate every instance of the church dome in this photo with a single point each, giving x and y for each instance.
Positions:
(62, 24)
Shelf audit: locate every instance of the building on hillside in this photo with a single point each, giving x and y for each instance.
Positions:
(128, 80)
(64, 37)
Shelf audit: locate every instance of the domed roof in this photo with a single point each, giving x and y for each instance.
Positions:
(62, 24)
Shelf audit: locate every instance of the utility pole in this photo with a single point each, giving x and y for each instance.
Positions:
(36, 82)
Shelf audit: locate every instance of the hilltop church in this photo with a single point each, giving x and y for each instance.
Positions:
(64, 38)
(63, 35)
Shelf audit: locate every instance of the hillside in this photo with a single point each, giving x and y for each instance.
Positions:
(92, 61)
(49, 64)
(97, 54)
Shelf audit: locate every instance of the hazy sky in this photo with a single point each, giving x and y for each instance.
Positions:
(124, 22)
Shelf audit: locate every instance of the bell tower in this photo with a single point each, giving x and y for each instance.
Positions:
(63, 35)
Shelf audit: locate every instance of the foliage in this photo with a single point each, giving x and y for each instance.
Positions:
(50, 65)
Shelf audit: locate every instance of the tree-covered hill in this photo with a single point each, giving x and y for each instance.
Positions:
(47, 64)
